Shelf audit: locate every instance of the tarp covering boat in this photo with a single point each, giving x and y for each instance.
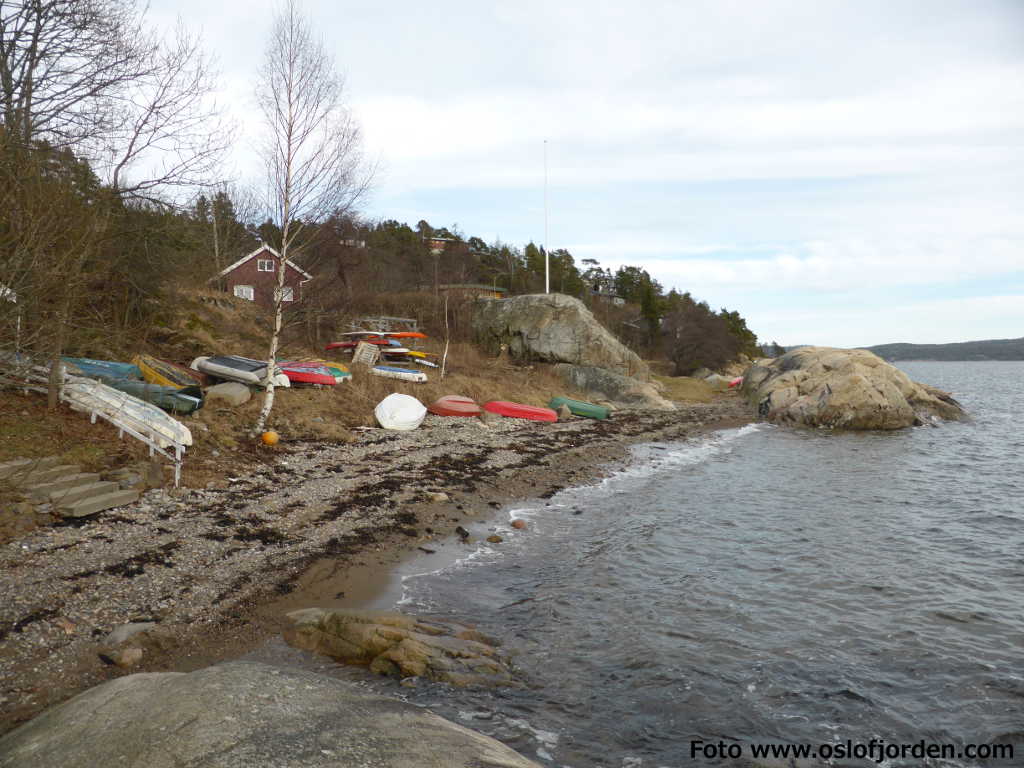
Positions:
(401, 412)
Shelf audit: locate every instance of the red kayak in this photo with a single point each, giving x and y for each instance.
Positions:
(520, 411)
(454, 405)
(299, 372)
(354, 344)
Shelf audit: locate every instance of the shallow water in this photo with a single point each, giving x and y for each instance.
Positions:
(763, 585)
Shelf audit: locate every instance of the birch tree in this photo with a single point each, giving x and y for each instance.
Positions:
(312, 149)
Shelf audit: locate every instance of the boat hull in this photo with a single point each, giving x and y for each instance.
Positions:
(580, 408)
(520, 411)
(454, 405)
(405, 374)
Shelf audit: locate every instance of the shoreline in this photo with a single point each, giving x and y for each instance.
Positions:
(322, 524)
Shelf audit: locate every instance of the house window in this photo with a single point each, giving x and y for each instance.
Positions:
(287, 293)
(245, 292)
(264, 265)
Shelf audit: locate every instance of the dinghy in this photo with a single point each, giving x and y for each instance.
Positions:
(168, 374)
(580, 408)
(174, 399)
(103, 370)
(405, 374)
(242, 369)
(307, 373)
(454, 405)
(401, 412)
(89, 395)
(520, 411)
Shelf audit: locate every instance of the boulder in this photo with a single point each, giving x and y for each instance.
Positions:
(623, 391)
(554, 328)
(243, 714)
(844, 388)
(230, 393)
(401, 646)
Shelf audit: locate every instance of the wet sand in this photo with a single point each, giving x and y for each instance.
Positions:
(327, 525)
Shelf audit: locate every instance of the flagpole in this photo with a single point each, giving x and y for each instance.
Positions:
(547, 258)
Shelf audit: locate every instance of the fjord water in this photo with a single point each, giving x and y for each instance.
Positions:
(764, 584)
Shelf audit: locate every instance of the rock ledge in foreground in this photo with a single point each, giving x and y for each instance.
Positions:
(244, 715)
(842, 388)
(401, 646)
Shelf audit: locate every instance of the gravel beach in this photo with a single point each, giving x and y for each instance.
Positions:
(206, 564)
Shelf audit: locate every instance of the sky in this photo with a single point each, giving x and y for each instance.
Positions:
(842, 173)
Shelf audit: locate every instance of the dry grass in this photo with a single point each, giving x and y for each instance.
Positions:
(685, 389)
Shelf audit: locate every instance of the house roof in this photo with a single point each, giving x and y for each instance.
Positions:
(258, 251)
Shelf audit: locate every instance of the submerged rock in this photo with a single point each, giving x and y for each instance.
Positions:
(245, 714)
(845, 388)
(553, 328)
(401, 646)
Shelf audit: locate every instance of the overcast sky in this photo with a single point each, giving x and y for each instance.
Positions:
(842, 173)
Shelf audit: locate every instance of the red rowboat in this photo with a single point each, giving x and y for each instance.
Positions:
(520, 411)
(307, 373)
(454, 405)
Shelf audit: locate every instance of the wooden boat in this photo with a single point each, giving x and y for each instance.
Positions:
(307, 373)
(103, 370)
(391, 372)
(580, 408)
(89, 395)
(235, 368)
(520, 411)
(401, 412)
(168, 374)
(454, 405)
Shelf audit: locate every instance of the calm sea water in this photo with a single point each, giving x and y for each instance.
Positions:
(763, 585)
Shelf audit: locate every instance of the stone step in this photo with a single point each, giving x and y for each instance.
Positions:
(87, 490)
(93, 504)
(45, 490)
(39, 476)
(19, 467)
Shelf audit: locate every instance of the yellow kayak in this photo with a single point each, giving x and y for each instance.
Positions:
(167, 374)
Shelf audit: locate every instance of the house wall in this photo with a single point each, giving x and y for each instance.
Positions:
(263, 283)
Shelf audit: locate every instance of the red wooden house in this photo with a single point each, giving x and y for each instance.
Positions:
(254, 277)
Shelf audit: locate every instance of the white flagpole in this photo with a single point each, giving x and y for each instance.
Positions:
(547, 258)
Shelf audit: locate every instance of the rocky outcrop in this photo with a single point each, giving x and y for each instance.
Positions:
(244, 714)
(401, 646)
(553, 328)
(844, 388)
(620, 391)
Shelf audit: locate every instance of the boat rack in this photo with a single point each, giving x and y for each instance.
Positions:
(382, 324)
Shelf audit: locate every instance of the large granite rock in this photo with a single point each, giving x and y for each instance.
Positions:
(553, 328)
(401, 646)
(245, 715)
(845, 388)
(622, 391)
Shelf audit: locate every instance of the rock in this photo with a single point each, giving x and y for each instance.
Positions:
(564, 414)
(555, 328)
(487, 418)
(126, 658)
(702, 373)
(463, 533)
(243, 714)
(438, 497)
(621, 390)
(518, 524)
(126, 632)
(229, 393)
(495, 539)
(138, 476)
(127, 644)
(716, 382)
(401, 646)
(843, 388)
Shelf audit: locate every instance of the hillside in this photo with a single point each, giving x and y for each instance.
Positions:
(991, 349)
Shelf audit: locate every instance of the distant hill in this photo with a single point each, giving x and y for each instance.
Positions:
(992, 349)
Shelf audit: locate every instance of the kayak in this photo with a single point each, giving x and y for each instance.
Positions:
(417, 353)
(421, 361)
(307, 373)
(391, 372)
(401, 412)
(580, 407)
(520, 411)
(385, 334)
(454, 405)
(353, 344)
(167, 374)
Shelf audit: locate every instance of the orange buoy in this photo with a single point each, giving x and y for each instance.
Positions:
(519, 524)
(270, 437)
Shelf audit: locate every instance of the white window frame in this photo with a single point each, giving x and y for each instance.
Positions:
(245, 292)
(264, 265)
(287, 293)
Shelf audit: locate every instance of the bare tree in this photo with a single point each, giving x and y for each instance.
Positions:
(312, 148)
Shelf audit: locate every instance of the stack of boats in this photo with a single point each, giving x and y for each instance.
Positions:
(392, 351)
